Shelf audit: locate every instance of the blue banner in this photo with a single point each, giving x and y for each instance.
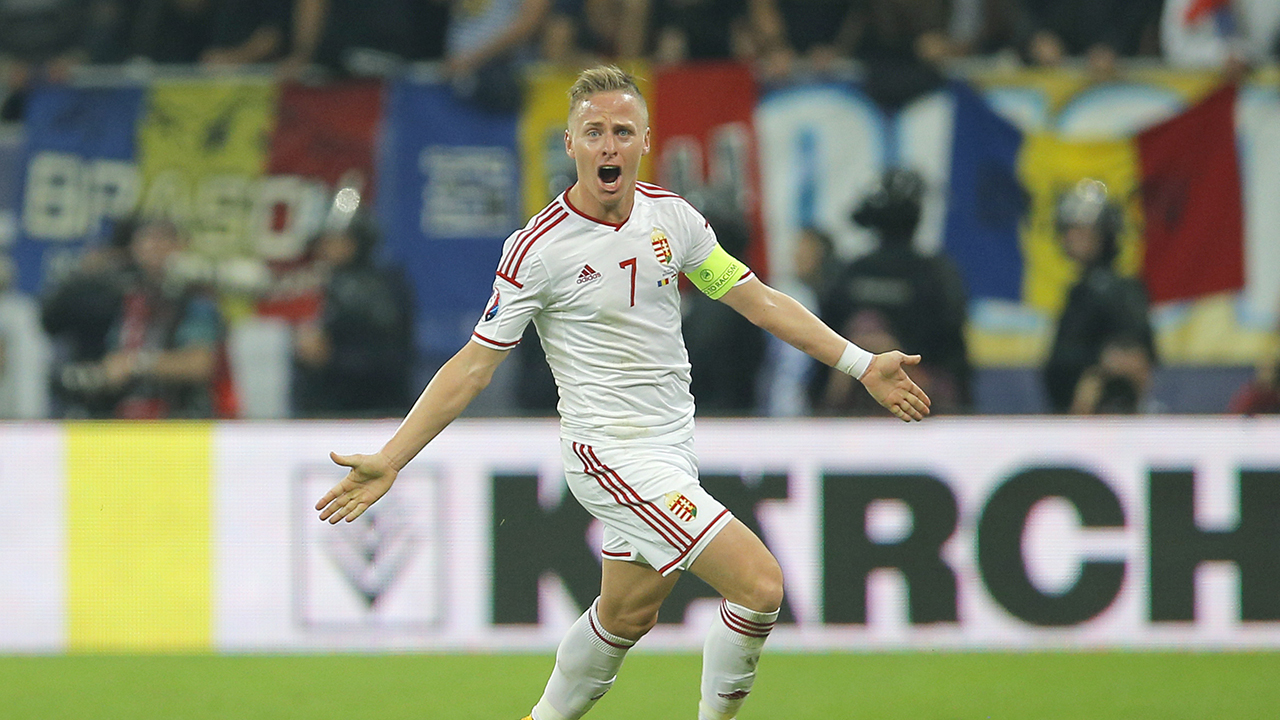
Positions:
(986, 202)
(80, 171)
(448, 195)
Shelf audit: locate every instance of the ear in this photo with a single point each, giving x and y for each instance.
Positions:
(568, 143)
(647, 138)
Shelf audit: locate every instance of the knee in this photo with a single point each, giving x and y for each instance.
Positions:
(631, 624)
(764, 593)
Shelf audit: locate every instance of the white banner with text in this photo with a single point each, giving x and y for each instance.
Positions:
(1010, 533)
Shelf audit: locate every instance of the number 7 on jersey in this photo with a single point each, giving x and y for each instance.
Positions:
(631, 262)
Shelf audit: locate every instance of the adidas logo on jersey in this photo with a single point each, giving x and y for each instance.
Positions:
(587, 275)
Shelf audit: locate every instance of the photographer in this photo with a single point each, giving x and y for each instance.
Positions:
(78, 311)
(356, 358)
(1103, 308)
(164, 352)
(1118, 383)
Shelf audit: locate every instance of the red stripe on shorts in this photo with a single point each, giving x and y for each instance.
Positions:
(643, 510)
(666, 520)
(680, 557)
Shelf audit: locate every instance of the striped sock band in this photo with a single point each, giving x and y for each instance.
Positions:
(750, 627)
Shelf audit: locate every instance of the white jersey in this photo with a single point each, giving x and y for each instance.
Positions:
(606, 304)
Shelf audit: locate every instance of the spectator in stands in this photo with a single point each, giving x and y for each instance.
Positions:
(987, 27)
(356, 358)
(818, 30)
(486, 46)
(904, 30)
(900, 42)
(701, 30)
(903, 43)
(165, 352)
(364, 37)
(580, 32)
(1099, 30)
(899, 298)
(725, 349)
(788, 373)
(165, 31)
(1228, 34)
(40, 41)
(249, 31)
(1103, 309)
(78, 312)
(1261, 396)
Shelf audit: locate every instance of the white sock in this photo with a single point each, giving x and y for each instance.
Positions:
(587, 663)
(729, 659)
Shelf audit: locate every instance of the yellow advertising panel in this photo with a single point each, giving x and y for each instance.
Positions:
(138, 536)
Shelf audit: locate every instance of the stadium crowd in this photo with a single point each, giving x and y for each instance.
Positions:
(899, 40)
(129, 342)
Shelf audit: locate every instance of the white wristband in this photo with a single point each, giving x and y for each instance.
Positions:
(854, 361)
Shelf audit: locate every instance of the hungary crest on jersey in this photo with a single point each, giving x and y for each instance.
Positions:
(661, 247)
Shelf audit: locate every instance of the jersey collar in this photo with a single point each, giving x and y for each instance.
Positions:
(616, 226)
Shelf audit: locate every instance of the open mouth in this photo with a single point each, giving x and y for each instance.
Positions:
(609, 174)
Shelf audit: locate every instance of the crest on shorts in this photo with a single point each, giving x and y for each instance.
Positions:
(681, 506)
(661, 247)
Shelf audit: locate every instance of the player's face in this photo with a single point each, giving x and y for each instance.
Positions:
(608, 134)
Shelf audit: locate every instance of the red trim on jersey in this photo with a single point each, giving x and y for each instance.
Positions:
(539, 220)
(645, 511)
(655, 191)
(536, 223)
(616, 226)
(606, 553)
(511, 267)
(495, 343)
(684, 552)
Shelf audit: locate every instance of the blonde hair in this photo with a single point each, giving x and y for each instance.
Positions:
(603, 78)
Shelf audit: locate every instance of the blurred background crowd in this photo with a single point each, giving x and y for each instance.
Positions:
(49, 37)
(135, 333)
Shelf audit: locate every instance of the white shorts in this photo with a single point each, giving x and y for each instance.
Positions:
(648, 497)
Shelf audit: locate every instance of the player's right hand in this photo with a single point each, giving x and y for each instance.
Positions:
(370, 477)
(888, 382)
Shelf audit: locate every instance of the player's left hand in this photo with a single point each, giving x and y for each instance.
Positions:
(368, 480)
(889, 384)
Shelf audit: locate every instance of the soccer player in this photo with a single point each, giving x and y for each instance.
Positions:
(596, 273)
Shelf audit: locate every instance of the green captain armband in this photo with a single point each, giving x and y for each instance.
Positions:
(718, 274)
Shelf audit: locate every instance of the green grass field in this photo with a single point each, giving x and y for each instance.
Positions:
(907, 686)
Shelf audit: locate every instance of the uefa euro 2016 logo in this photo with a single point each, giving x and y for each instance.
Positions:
(681, 506)
(661, 248)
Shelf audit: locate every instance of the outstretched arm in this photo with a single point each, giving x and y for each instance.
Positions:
(454, 386)
(780, 314)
